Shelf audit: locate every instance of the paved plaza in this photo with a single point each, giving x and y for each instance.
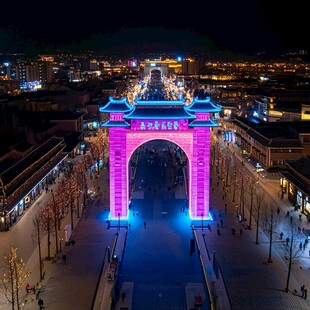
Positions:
(154, 274)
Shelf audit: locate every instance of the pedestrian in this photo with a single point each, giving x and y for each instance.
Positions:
(300, 246)
(64, 258)
(291, 219)
(281, 235)
(222, 224)
(27, 287)
(218, 232)
(278, 210)
(305, 293)
(225, 208)
(241, 231)
(123, 296)
(41, 303)
(302, 289)
(144, 224)
(287, 241)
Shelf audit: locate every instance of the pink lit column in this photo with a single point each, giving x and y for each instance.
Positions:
(200, 173)
(118, 179)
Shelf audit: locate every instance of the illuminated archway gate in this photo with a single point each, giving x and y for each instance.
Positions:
(187, 126)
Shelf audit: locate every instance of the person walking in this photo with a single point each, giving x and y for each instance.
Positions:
(123, 296)
(305, 293)
(27, 287)
(302, 289)
(41, 303)
(144, 224)
(278, 210)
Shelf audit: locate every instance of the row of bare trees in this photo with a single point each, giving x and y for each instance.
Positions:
(66, 197)
(248, 192)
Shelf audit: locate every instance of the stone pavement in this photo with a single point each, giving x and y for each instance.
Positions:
(250, 281)
(242, 279)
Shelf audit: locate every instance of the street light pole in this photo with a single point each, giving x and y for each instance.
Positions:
(119, 221)
(202, 221)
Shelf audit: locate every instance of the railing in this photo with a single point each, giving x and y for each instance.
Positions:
(212, 307)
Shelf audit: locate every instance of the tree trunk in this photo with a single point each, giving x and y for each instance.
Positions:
(251, 211)
(257, 226)
(270, 236)
(289, 266)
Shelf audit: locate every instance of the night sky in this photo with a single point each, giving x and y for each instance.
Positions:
(244, 26)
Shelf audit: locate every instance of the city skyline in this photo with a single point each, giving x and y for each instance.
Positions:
(248, 27)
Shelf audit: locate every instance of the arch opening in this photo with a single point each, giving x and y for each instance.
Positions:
(158, 170)
(124, 142)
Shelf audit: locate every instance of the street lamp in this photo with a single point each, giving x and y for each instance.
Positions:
(202, 221)
(119, 221)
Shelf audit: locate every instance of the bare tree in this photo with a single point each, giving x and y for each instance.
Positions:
(293, 251)
(36, 239)
(241, 193)
(13, 277)
(70, 191)
(47, 224)
(228, 164)
(259, 203)
(234, 181)
(80, 171)
(98, 148)
(251, 189)
(56, 204)
(270, 225)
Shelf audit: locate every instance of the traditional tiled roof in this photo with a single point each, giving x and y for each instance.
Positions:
(285, 143)
(72, 139)
(109, 123)
(202, 105)
(278, 134)
(296, 181)
(117, 106)
(301, 165)
(207, 123)
(53, 143)
(159, 112)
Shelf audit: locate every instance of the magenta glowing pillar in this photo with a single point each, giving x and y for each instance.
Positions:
(118, 179)
(200, 185)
